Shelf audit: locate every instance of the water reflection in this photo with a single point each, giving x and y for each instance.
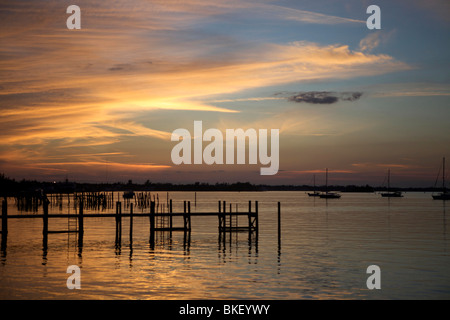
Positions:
(163, 241)
(444, 220)
(325, 247)
(44, 248)
(230, 247)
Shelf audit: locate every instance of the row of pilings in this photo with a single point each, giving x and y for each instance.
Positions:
(102, 201)
(227, 220)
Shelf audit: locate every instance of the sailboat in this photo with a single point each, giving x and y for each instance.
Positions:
(315, 193)
(394, 194)
(329, 195)
(444, 195)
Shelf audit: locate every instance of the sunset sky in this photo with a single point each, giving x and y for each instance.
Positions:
(99, 104)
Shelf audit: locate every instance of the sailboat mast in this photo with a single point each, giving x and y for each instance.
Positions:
(443, 174)
(326, 180)
(389, 179)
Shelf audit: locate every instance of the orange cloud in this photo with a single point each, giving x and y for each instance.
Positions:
(113, 165)
(383, 165)
(111, 81)
(316, 171)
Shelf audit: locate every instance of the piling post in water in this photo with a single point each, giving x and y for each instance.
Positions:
(220, 216)
(187, 218)
(80, 219)
(118, 221)
(231, 217)
(249, 216)
(45, 218)
(279, 224)
(4, 226)
(224, 205)
(187, 227)
(80, 227)
(131, 222)
(152, 221)
(45, 228)
(4, 218)
(170, 216)
(256, 218)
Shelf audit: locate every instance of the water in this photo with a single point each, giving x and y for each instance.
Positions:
(326, 247)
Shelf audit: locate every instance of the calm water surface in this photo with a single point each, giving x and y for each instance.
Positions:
(326, 247)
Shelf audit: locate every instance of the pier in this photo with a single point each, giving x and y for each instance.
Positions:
(160, 218)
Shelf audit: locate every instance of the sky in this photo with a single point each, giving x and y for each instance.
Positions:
(99, 104)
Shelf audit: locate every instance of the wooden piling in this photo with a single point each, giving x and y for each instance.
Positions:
(80, 227)
(170, 217)
(45, 226)
(131, 222)
(45, 218)
(4, 217)
(224, 217)
(4, 227)
(220, 216)
(249, 215)
(80, 219)
(256, 218)
(231, 217)
(187, 218)
(279, 224)
(118, 221)
(152, 219)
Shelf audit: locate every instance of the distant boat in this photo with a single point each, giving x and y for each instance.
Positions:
(328, 195)
(315, 193)
(444, 195)
(393, 194)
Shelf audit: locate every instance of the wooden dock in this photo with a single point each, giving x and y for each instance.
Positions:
(227, 220)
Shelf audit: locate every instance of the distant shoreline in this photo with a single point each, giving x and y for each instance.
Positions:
(11, 187)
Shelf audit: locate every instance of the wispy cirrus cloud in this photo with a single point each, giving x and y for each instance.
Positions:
(375, 39)
(411, 89)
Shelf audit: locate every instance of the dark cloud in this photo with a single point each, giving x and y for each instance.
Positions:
(324, 97)
(351, 96)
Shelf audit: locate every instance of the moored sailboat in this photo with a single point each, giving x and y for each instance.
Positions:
(329, 195)
(444, 195)
(391, 194)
